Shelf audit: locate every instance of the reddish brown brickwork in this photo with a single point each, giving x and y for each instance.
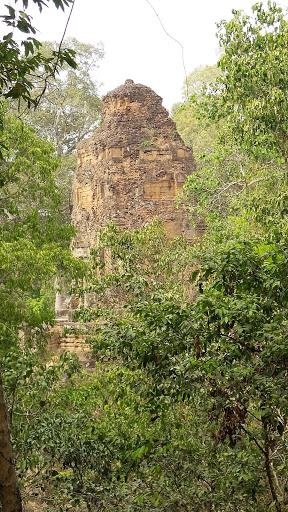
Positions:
(131, 170)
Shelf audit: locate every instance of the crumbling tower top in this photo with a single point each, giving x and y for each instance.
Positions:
(131, 92)
(132, 168)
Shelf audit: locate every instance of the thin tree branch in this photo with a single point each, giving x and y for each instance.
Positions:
(255, 440)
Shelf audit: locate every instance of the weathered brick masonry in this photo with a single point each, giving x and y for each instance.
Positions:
(129, 172)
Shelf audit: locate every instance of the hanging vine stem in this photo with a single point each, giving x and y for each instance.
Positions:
(64, 34)
(38, 99)
(176, 41)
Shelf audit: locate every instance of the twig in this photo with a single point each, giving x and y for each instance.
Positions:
(255, 441)
(251, 413)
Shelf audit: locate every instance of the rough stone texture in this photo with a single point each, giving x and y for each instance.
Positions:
(131, 170)
(61, 342)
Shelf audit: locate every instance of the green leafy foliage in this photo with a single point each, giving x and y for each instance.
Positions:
(20, 72)
(70, 109)
(31, 255)
(34, 240)
(242, 179)
(194, 129)
(251, 92)
(17, 70)
(187, 407)
(133, 265)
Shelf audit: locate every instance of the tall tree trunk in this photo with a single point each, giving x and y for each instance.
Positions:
(269, 472)
(10, 498)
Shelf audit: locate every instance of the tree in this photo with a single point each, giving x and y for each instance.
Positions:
(34, 248)
(251, 92)
(18, 72)
(17, 78)
(10, 497)
(139, 262)
(229, 183)
(246, 173)
(201, 78)
(194, 130)
(69, 111)
(243, 342)
(243, 282)
(224, 353)
(217, 361)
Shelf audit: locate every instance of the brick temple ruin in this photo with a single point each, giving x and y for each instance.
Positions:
(130, 172)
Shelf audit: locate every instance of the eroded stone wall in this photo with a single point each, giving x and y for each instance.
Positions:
(131, 170)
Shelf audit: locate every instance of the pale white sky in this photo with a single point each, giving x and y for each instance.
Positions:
(135, 44)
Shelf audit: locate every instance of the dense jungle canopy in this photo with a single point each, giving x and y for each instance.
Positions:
(187, 406)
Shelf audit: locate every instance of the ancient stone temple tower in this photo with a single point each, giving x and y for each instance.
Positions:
(131, 170)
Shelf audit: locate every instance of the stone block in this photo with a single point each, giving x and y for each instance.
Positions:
(164, 189)
(84, 196)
